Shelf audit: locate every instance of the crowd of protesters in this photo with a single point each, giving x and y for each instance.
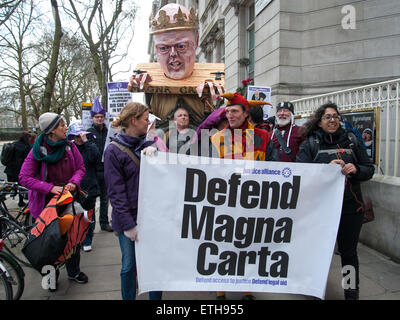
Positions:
(63, 157)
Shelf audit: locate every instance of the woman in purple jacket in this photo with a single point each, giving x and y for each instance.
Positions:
(122, 179)
(53, 163)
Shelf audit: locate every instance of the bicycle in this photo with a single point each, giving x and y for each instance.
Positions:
(14, 237)
(12, 189)
(6, 292)
(14, 229)
(16, 274)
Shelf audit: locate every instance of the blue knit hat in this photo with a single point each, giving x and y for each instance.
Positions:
(97, 108)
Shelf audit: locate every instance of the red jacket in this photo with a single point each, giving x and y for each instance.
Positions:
(295, 140)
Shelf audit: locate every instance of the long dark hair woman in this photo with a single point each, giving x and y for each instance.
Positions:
(327, 142)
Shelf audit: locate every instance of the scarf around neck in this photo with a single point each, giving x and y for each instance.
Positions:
(55, 155)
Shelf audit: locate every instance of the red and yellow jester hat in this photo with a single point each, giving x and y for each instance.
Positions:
(236, 98)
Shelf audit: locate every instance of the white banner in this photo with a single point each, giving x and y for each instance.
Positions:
(235, 225)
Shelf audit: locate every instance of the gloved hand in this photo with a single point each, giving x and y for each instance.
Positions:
(132, 234)
(149, 151)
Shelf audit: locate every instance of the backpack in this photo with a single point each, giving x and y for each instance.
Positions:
(45, 242)
(315, 144)
(76, 235)
(56, 236)
(7, 154)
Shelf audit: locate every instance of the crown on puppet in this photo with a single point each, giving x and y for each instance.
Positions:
(174, 17)
(237, 98)
(97, 108)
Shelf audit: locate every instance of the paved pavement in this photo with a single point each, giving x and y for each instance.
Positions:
(379, 278)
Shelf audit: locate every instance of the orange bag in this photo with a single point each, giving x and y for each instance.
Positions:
(76, 234)
(55, 235)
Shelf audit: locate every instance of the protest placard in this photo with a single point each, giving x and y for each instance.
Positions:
(227, 227)
(261, 93)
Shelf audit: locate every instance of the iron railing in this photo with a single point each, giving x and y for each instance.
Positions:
(383, 95)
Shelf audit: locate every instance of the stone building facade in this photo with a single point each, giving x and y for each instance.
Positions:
(300, 47)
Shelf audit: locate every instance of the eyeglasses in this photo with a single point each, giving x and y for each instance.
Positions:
(328, 117)
(181, 47)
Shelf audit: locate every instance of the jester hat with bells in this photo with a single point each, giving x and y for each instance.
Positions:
(238, 99)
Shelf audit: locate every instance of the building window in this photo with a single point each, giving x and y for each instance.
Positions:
(250, 38)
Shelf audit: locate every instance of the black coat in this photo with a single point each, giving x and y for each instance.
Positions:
(90, 154)
(100, 140)
(21, 151)
(355, 154)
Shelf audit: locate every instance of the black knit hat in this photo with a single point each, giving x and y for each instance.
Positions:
(285, 105)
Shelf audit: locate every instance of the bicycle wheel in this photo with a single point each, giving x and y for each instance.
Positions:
(14, 239)
(16, 274)
(5, 286)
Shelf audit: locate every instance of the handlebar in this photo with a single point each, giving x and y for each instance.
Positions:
(12, 188)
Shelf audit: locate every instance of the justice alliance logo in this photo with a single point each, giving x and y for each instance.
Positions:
(285, 172)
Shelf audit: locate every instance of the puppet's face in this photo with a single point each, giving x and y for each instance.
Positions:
(176, 52)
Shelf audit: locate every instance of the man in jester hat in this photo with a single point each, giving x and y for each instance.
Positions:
(240, 140)
(247, 142)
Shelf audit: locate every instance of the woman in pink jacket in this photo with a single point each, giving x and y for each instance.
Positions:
(53, 163)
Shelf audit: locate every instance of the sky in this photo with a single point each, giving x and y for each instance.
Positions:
(138, 48)
(137, 52)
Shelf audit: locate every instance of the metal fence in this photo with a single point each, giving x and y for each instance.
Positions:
(386, 96)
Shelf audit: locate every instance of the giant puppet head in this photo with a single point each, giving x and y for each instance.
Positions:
(174, 30)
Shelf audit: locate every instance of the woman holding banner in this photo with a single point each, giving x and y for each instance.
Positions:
(327, 142)
(121, 173)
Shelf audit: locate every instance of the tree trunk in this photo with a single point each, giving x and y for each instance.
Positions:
(22, 93)
(24, 118)
(51, 75)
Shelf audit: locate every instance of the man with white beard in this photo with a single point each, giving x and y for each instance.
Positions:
(286, 136)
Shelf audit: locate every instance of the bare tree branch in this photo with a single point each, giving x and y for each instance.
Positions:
(107, 28)
(7, 8)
